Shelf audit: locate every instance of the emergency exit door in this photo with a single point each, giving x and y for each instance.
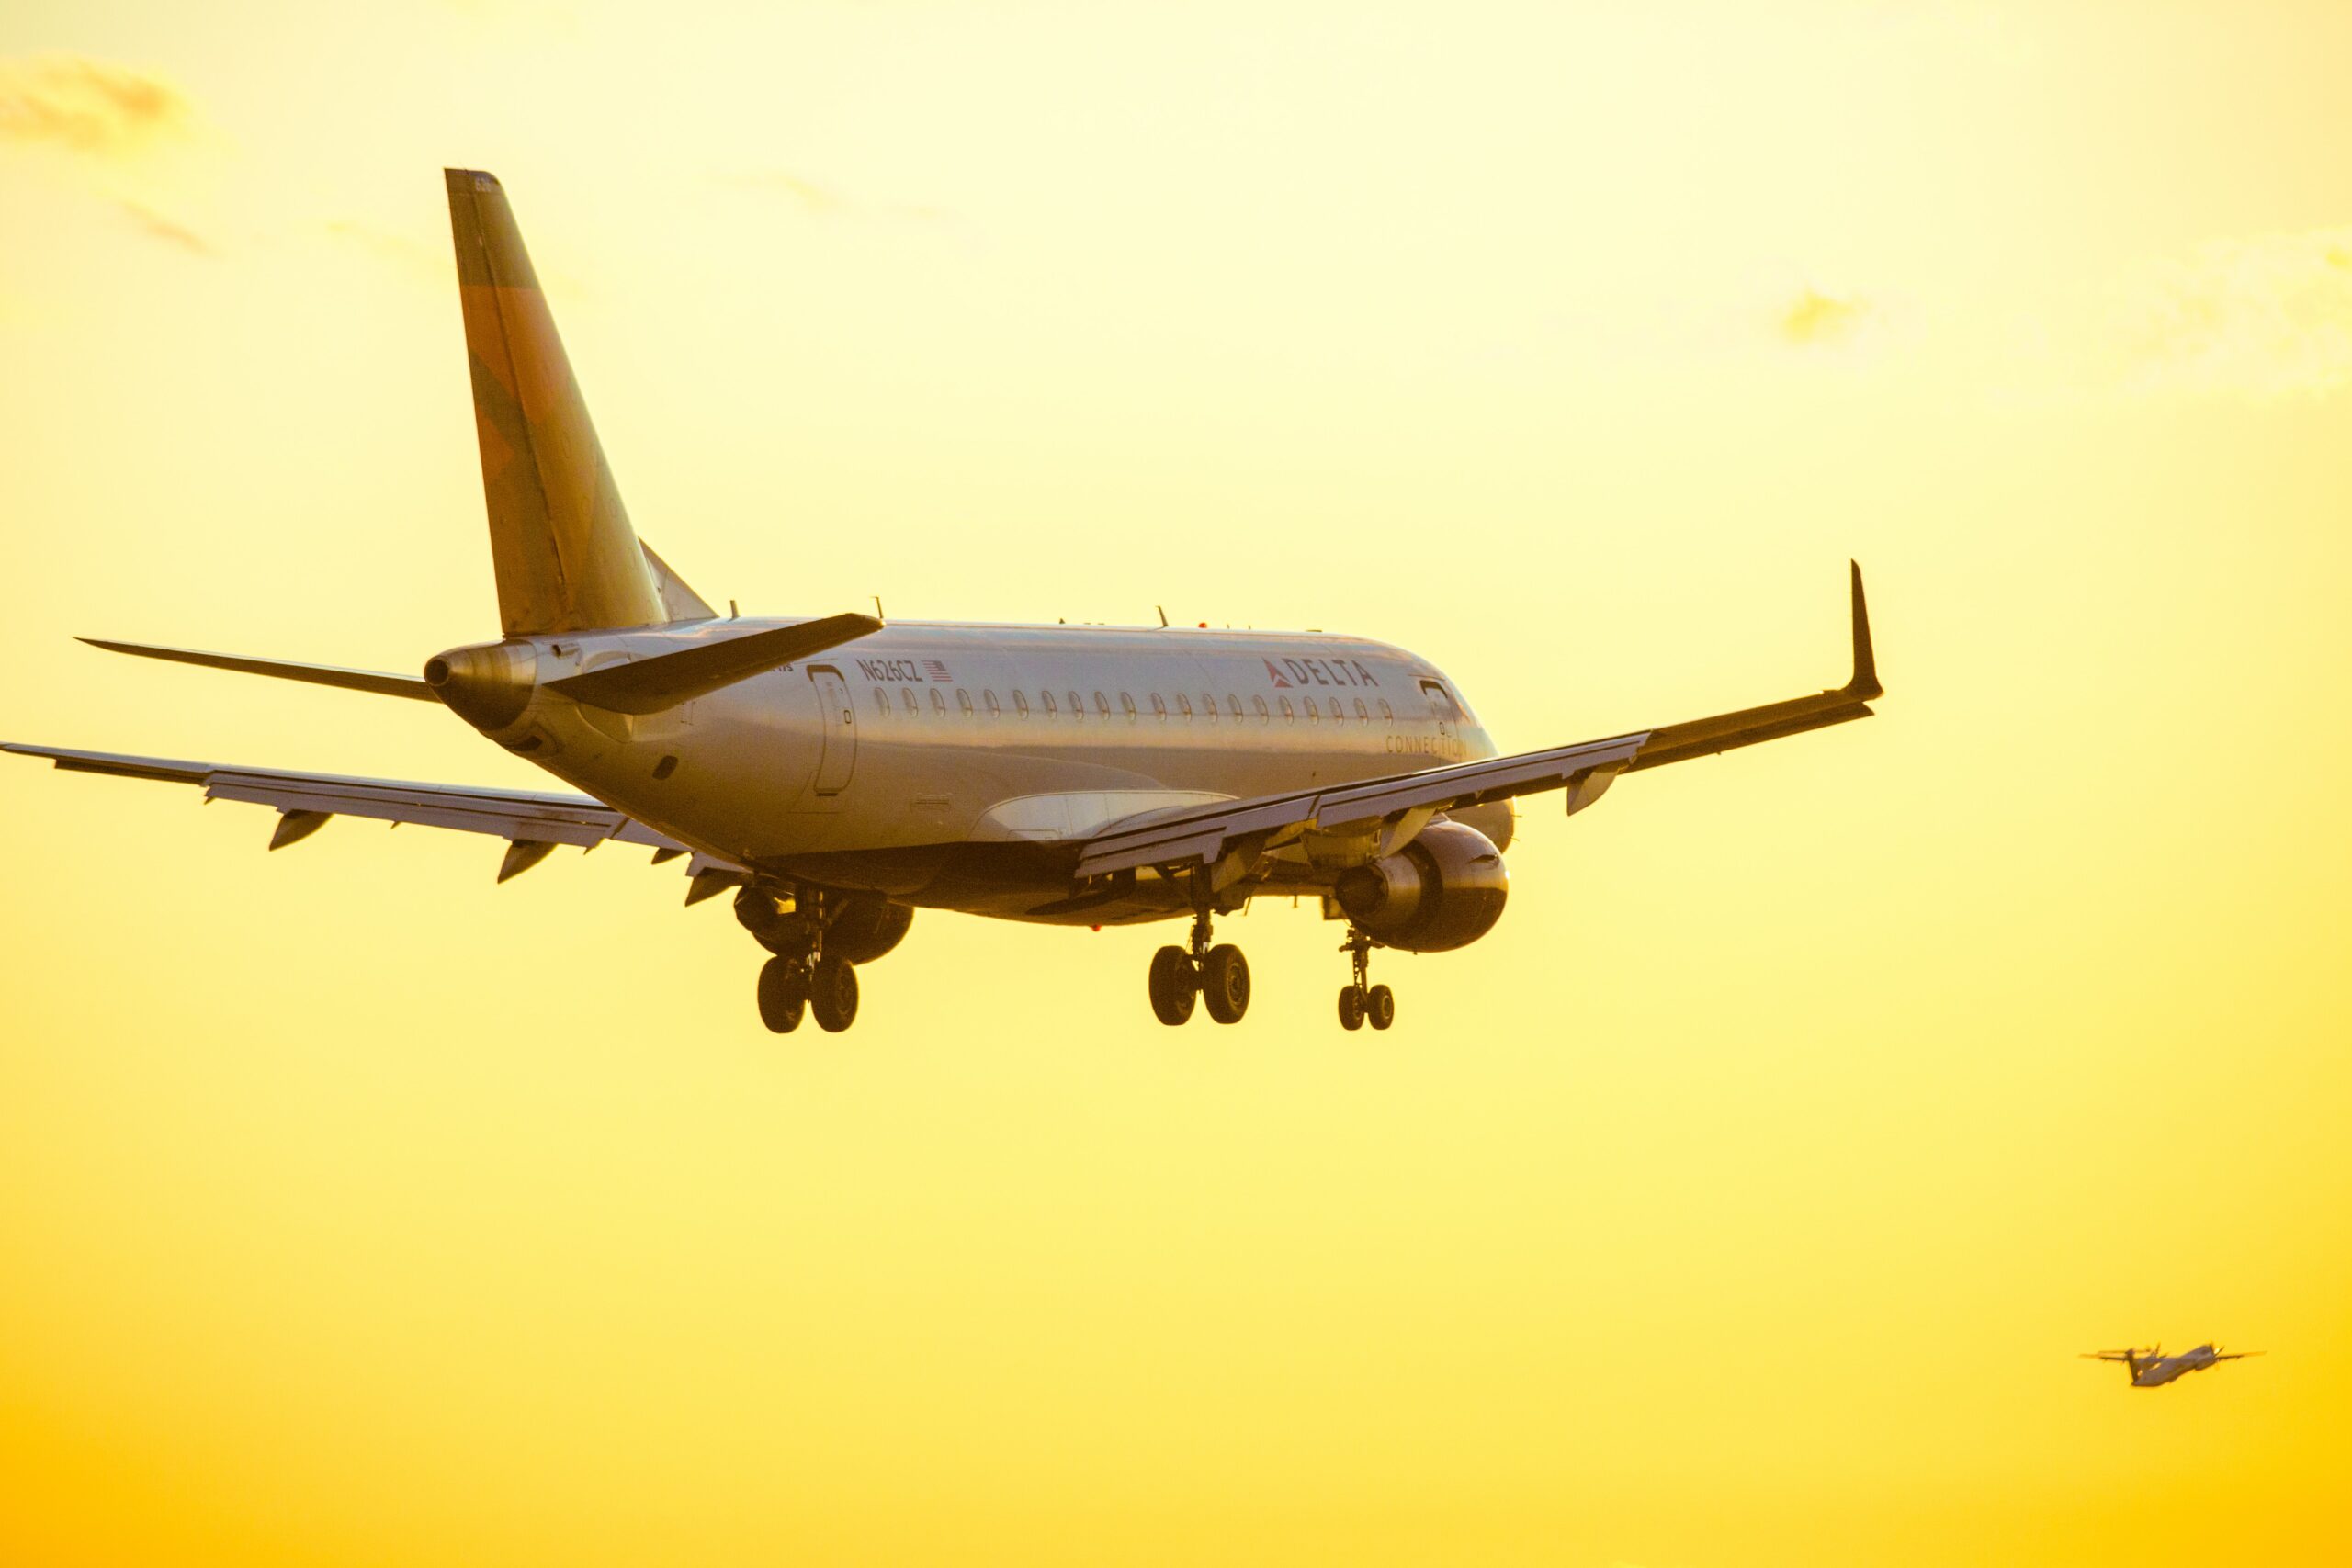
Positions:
(838, 715)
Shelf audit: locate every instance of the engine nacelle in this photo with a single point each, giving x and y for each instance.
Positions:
(1443, 890)
(868, 926)
(861, 927)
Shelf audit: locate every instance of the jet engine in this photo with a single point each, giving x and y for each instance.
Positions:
(1443, 890)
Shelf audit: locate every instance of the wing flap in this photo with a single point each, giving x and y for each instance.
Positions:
(517, 816)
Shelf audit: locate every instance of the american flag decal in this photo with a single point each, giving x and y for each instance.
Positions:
(938, 670)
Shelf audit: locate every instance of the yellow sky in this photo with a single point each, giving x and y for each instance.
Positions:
(1743, 1200)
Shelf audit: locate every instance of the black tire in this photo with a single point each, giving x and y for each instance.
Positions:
(1224, 983)
(1174, 986)
(1350, 1008)
(832, 995)
(1380, 1007)
(784, 994)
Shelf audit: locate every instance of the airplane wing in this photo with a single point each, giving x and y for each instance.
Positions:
(532, 823)
(1204, 834)
(2112, 1355)
(2235, 1355)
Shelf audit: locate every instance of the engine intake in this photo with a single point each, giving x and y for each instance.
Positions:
(1443, 890)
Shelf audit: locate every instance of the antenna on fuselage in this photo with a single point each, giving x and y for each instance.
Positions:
(732, 613)
(878, 609)
(1163, 615)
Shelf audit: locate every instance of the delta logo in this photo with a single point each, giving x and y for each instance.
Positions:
(1317, 673)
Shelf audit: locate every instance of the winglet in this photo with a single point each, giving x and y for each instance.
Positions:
(1864, 686)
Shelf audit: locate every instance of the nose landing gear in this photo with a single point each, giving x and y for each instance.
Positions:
(1218, 975)
(1360, 1002)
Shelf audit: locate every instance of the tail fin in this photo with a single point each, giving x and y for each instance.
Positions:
(566, 556)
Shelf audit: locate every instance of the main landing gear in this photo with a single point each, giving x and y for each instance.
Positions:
(1218, 975)
(1359, 1003)
(801, 978)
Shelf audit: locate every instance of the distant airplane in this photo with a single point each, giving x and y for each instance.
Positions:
(837, 773)
(2153, 1369)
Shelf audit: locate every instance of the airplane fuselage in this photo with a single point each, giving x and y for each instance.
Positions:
(957, 765)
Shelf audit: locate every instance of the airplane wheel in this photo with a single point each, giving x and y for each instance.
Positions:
(1351, 1007)
(1225, 982)
(1380, 1007)
(784, 994)
(832, 995)
(1174, 987)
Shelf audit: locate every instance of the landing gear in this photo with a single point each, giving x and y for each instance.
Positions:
(801, 978)
(1224, 983)
(1218, 975)
(784, 994)
(832, 994)
(1174, 987)
(1361, 1002)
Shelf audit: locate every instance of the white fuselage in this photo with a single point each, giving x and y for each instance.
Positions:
(960, 765)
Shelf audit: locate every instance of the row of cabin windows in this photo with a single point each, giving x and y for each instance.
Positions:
(1076, 706)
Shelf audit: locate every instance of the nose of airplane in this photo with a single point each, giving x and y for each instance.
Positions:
(488, 685)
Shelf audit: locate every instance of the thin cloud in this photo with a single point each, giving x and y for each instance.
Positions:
(1815, 320)
(155, 226)
(2266, 316)
(397, 249)
(86, 106)
(823, 200)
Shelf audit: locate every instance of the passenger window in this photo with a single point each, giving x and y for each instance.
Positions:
(939, 702)
(1208, 705)
(1183, 706)
(1361, 714)
(989, 697)
(1386, 717)
(1127, 704)
(1101, 705)
(1233, 704)
(881, 702)
(964, 701)
(1313, 714)
(1335, 715)
(1047, 698)
(1288, 716)
(1020, 706)
(1077, 708)
(1263, 714)
(1158, 708)
(906, 700)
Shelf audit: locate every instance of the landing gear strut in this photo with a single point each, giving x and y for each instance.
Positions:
(800, 978)
(1361, 1003)
(1217, 974)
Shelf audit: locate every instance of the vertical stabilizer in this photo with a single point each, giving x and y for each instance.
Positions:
(560, 537)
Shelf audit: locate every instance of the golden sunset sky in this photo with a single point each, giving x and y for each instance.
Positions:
(1744, 1200)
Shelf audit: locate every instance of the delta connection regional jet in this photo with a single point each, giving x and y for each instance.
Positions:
(837, 773)
(2153, 1369)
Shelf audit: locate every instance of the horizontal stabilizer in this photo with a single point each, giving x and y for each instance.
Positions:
(376, 681)
(666, 680)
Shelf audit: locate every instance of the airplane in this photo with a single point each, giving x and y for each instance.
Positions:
(838, 772)
(2153, 1369)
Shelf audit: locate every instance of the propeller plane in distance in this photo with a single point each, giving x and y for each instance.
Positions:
(836, 774)
(2153, 1369)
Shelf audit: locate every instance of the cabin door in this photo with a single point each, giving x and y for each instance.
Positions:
(838, 716)
(1448, 715)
